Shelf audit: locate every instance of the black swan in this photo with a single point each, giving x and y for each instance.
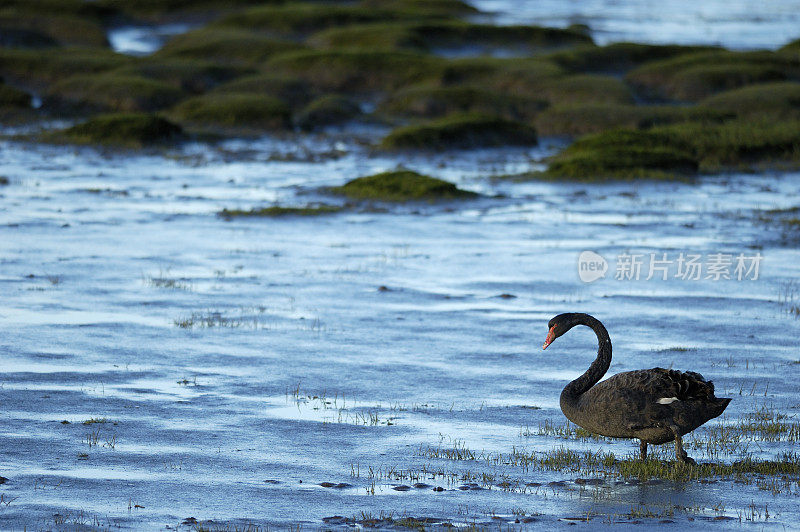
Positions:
(654, 405)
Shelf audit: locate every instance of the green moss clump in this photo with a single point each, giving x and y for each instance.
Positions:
(375, 36)
(425, 7)
(133, 130)
(328, 110)
(160, 11)
(432, 102)
(11, 97)
(38, 68)
(741, 144)
(580, 119)
(26, 27)
(191, 75)
(780, 100)
(354, 71)
(447, 34)
(692, 77)
(618, 57)
(277, 211)
(75, 8)
(523, 77)
(235, 111)
(461, 131)
(300, 18)
(680, 150)
(24, 38)
(295, 92)
(227, 46)
(585, 89)
(623, 154)
(401, 185)
(111, 92)
(790, 48)
(695, 83)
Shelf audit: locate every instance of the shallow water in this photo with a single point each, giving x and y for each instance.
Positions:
(292, 368)
(739, 24)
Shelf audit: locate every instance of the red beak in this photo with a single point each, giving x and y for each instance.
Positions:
(551, 335)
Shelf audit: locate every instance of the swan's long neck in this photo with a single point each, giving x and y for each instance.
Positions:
(574, 389)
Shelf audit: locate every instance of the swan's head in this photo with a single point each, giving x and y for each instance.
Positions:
(561, 324)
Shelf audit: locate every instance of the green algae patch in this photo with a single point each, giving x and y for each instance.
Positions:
(741, 144)
(300, 18)
(580, 119)
(781, 100)
(623, 154)
(33, 28)
(586, 88)
(618, 57)
(13, 97)
(246, 112)
(461, 132)
(533, 78)
(326, 111)
(130, 130)
(193, 76)
(425, 7)
(433, 102)
(295, 92)
(448, 35)
(790, 48)
(76, 8)
(111, 92)
(692, 77)
(37, 68)
(354, 70)
(680, 150)
(277, 211)
(160, 11)
(226, 46)
(401, 186)
(522, 76)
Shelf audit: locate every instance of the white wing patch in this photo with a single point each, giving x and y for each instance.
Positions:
(667, 400)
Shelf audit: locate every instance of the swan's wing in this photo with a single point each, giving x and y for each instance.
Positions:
(663, 385)
(653, 403)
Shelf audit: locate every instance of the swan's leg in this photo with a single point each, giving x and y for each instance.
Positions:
(680, 453)
(643, 449)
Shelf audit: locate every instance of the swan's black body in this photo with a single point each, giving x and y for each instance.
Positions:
(654, 405)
